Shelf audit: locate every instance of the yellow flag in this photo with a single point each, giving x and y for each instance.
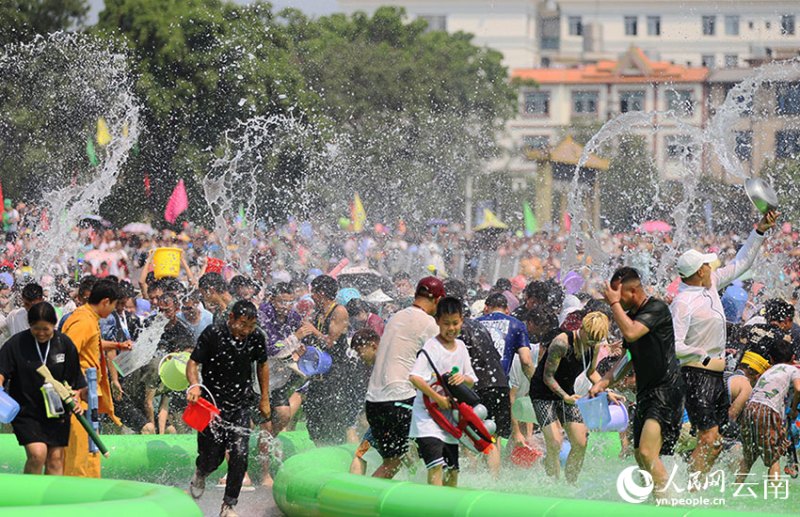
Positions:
(490, 221)
(358, 214)
(103, 136)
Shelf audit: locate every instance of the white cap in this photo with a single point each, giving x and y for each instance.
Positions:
(691, 261)
(571, 304)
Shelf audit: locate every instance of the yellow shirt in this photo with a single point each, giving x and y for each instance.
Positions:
(83, 328)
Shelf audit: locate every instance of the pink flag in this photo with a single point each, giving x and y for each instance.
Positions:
(177, 204)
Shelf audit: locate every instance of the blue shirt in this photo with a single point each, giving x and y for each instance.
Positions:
(206, 319)
(508, 334)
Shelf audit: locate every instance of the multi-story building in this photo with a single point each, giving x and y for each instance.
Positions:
(534, 33)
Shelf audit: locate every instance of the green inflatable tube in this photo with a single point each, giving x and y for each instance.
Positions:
(61, 496)
(315, 483)
(166, 459)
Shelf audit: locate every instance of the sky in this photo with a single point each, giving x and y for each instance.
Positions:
(310, 7)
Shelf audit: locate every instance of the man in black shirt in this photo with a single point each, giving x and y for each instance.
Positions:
(646, 325)
(226, 353)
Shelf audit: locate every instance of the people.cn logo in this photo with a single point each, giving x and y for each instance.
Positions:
(630, 490)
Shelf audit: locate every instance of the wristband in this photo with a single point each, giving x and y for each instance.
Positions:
(612, 303)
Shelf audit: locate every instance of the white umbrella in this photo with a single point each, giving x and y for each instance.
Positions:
(378, 297)
(138, 228)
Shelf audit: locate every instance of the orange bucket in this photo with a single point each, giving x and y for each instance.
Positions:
(199, 414)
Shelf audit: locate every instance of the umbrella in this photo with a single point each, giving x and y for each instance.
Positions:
(138, 228)
(363, 278)
(95, 220)
(655, 227)
(378, 297)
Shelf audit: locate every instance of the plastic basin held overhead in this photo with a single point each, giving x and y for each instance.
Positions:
(761, 194)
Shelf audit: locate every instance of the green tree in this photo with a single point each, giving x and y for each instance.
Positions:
(418, 111)
(22, 20)
(629, 189)
(203, 67)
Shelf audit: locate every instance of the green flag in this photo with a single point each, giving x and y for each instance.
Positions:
(242, 220)
(531, 226)
(90, 152)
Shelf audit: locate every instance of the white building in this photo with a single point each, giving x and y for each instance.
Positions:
(533, 33)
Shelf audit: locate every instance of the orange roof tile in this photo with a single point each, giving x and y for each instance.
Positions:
(632, 67)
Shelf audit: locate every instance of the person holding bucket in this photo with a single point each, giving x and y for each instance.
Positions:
(226, 354)
(41, 429)
(553, 395)
(646, 326)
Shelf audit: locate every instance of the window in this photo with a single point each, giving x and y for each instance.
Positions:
(680, 101)
(631, 101)
(680, 147)
(575, 26)
(751, 25)
(732, 25)
(654, 26)
(787, 144)
(744, 145)
(537, 103)
(743, 103)
(436, 22)
(584, 103)
(787, 24)
(630, 25)
(709, 25)
(788, 99)
(535, 142)
(709, 61)
(731, 60)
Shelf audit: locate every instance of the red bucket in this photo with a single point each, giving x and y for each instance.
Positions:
(214, 265)
(198, 415)
(525, 457)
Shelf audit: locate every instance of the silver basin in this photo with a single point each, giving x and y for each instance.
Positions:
(761, 194)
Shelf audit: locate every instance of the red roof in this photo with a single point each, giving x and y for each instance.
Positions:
(632, 67)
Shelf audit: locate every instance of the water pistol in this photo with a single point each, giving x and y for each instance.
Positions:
(94, 417)
(65, 392)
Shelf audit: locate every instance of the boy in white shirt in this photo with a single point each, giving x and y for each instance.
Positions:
(438, 449)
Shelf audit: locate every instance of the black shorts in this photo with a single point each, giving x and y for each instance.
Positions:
(52, 431)
(548, 411)
(663, 404)
(280, 396)
(498, 407)
(707, 398)
(436, 453)
(390, 423)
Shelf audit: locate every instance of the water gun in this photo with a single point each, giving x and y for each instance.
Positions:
(471, 427)
(65, 392)
(94, 418)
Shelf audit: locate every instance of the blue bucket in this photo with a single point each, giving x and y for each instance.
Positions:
(314, 362)
(8, 407)
(595, 411)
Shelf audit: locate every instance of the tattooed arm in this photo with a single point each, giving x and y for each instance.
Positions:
(558, 349)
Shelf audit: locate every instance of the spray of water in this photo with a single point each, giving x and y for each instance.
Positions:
(69, 81)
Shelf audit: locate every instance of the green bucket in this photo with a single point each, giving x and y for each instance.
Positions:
(523, 410)
(172, 370)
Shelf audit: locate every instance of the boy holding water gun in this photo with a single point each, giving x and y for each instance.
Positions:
(443, 353)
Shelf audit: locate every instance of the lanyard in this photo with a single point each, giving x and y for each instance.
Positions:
(46, 352)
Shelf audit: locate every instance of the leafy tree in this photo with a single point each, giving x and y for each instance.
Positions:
(22, 20)
(418, 110)
(203, 67)
(629, 189)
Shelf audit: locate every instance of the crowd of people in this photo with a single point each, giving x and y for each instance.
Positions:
(397, 353)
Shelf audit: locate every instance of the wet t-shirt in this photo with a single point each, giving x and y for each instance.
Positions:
(508, 334)
(774, 385)
(654, 360)
(485, 360)
(19, 360)
(227, 363)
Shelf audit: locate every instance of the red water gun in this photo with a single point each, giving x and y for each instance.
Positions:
(468, 423)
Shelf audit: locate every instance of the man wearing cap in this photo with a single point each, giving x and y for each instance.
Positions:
(700, 336)
(389, 393)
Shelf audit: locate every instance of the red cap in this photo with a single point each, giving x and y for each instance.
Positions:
(430, 287)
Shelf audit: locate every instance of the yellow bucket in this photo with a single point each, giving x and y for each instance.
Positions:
(167, 262)
(172, 370)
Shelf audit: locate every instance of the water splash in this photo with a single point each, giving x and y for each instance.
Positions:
(66, 82)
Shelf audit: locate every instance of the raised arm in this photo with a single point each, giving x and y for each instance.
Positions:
(747, 253)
